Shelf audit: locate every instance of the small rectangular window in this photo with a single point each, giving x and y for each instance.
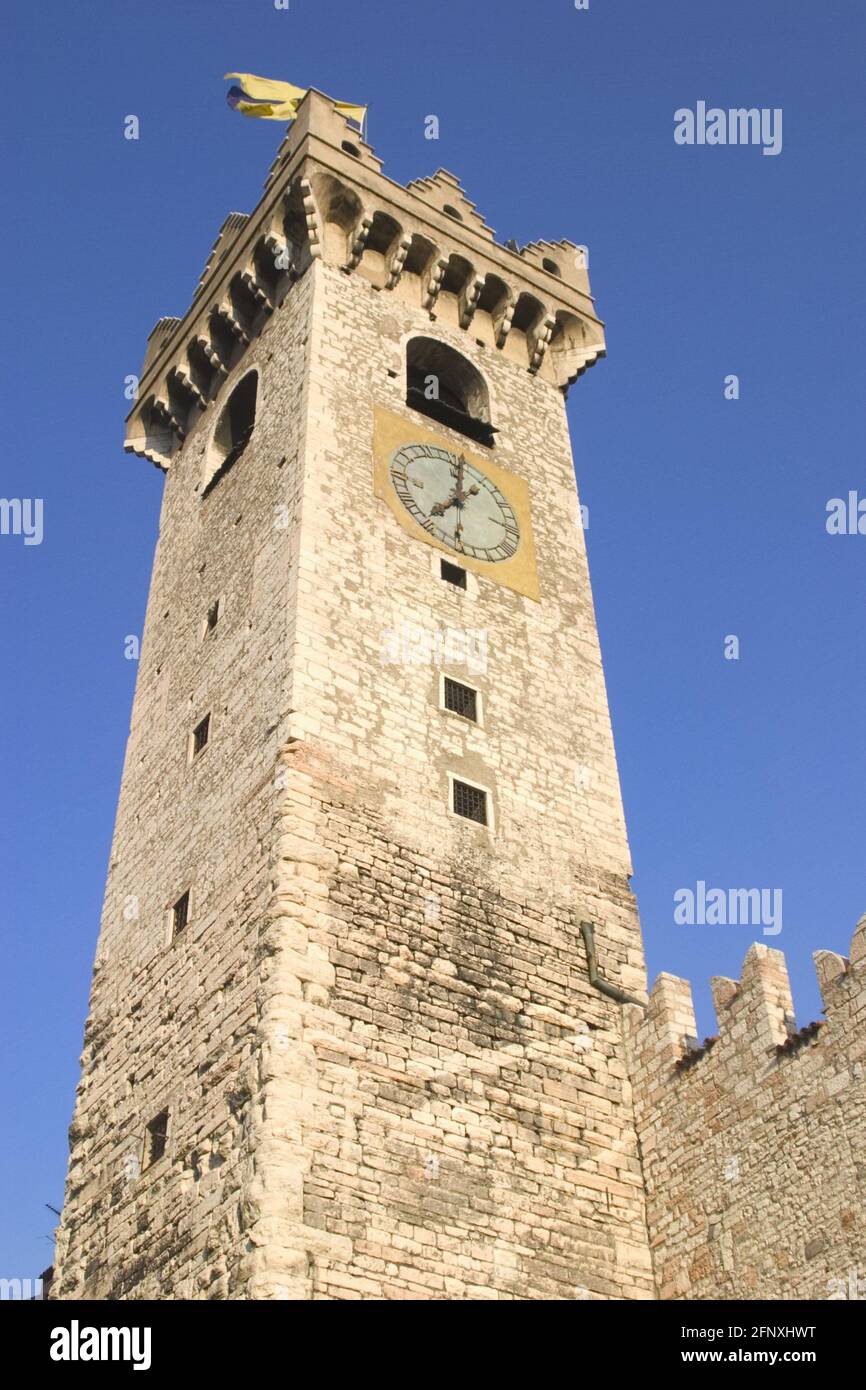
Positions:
(453, 574)
(156, 1138)
(200, 735)
(461, 699)
(470, 802)
(180, 914)
(213, 614)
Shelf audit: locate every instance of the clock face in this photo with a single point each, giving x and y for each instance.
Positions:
(455, 502)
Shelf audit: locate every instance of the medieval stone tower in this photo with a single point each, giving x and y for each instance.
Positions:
(342, 1038)
(360, 1024)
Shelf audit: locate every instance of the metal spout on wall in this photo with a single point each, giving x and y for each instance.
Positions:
(587, 931)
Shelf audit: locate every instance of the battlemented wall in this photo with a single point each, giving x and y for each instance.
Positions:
(754, 1145)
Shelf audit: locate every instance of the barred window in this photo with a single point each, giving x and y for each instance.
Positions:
(461, 699)
(470, 802)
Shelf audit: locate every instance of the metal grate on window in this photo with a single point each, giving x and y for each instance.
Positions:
(180, 914)
(470, 802)
(200, 734)
(461, 699)
(453, 574)
(156, 1141)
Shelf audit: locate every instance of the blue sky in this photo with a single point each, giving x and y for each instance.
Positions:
(706, 516)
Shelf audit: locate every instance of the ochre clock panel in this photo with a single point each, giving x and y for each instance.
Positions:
(456, 500)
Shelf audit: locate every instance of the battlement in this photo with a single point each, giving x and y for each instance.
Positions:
(755, 1014)
(753, 1142)
(326, 199)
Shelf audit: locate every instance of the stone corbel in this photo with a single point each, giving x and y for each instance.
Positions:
(185, 381)
(226, 313)
(163, 411)
(468, 302)
(434, 284)
(213, 358)
(259, 294)
(398, 260)
(502, 321)
(358, 240)
(573, 364)
(311, 213)
(539, 340)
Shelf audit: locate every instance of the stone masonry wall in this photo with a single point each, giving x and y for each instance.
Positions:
(754, 1148)
(175, 1023)
(387, 1073)
(449, 1113)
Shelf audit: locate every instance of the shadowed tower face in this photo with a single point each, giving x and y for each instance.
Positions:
(342, 1037)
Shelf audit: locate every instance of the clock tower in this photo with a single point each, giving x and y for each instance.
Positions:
(356, 1023)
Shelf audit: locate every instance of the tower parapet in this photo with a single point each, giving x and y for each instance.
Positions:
(326, 198)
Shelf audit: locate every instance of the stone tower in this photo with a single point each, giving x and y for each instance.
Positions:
(347, 1037)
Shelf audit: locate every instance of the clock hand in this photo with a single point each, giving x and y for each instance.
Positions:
(440, 508)
(460, 494)
(456, 500)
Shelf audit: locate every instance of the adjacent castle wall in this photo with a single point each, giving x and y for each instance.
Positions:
(754, 1149)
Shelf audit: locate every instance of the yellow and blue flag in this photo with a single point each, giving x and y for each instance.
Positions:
(277, 101)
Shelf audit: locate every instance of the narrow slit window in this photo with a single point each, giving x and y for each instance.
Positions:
(180, 914)
(461, 699)
(213, 615)
(453, 574)
(470, 802)
(156, 1138)
(200, 735)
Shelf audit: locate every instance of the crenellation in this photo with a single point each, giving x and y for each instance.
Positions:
(857, 955)
(832, 971)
